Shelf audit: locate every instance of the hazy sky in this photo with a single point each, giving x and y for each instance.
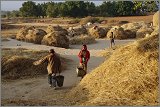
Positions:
(15, 5)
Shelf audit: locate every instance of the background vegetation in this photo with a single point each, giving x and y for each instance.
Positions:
(83, 9)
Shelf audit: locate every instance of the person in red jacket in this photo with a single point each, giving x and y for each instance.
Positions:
(84, 56)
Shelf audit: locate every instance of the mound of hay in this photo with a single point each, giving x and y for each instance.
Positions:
(130, 33)
(76, 31)
(128, 77)
(8, 26)
(21, 35)
(56, 28)
(14, 67)
(156, 31)
(118, 33)
(98, 32)
(35, 36)
(88, 19)
(142, 32)
(56, 39)
(135, 26)
(82, 39)
(18, 63)
(156, 19)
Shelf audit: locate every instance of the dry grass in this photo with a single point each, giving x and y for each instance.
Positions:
(82, 39)
(5, 26)
(11, 33)
(35, 36)
(89, 19)
(56, 28)
(98, 32)
(141, 33)
(128, 77)
(17, 63)
(156, 19)
(56, 38)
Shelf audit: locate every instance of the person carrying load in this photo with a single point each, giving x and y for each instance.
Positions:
(84, 56)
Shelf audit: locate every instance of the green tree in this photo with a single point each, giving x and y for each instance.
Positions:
(63, 10)
(139, 7)
(151, 6)
(108, 8)
(28, 9)
(72, 8)
(15, 13)
(90, 8)
(50, 9)
(125, 8)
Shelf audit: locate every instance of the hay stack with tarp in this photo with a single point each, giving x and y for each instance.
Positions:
(129, 77)
(98, 32)
(21, 35)
(57, 29)
(56, 39)
(35, 36)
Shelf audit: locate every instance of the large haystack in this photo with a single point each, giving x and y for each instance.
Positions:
(56, 28)
(128, 77)
(118, 33)
(130, 33)
(98, 32)
(156, 19)
(18, 63)
(82, 39)
(35, 36)
(141, 33)
(77, 31)
(87, 19)
(135, 26)
(56, 39)
(21, 35)
(14, 67)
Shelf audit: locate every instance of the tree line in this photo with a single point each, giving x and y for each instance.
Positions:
(83, 9)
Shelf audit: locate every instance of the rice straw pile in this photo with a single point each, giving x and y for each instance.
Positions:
(18, 63)
(128, 77)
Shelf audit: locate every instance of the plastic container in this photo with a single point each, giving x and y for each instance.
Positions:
(80, 72)
(60, 80)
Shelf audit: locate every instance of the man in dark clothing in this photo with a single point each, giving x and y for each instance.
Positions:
(112, 39)
(84, 56)
(54, 65)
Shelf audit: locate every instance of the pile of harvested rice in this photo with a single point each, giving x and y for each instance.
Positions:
(56, 39)
(82, 39)
(128, 77)
(18, 63)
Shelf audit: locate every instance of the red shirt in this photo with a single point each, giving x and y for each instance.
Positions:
(84, 54)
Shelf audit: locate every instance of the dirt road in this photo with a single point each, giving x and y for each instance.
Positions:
(35, 91)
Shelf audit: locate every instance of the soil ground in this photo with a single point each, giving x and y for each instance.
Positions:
(36, 91)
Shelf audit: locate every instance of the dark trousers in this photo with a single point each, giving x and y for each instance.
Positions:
(52, 80)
